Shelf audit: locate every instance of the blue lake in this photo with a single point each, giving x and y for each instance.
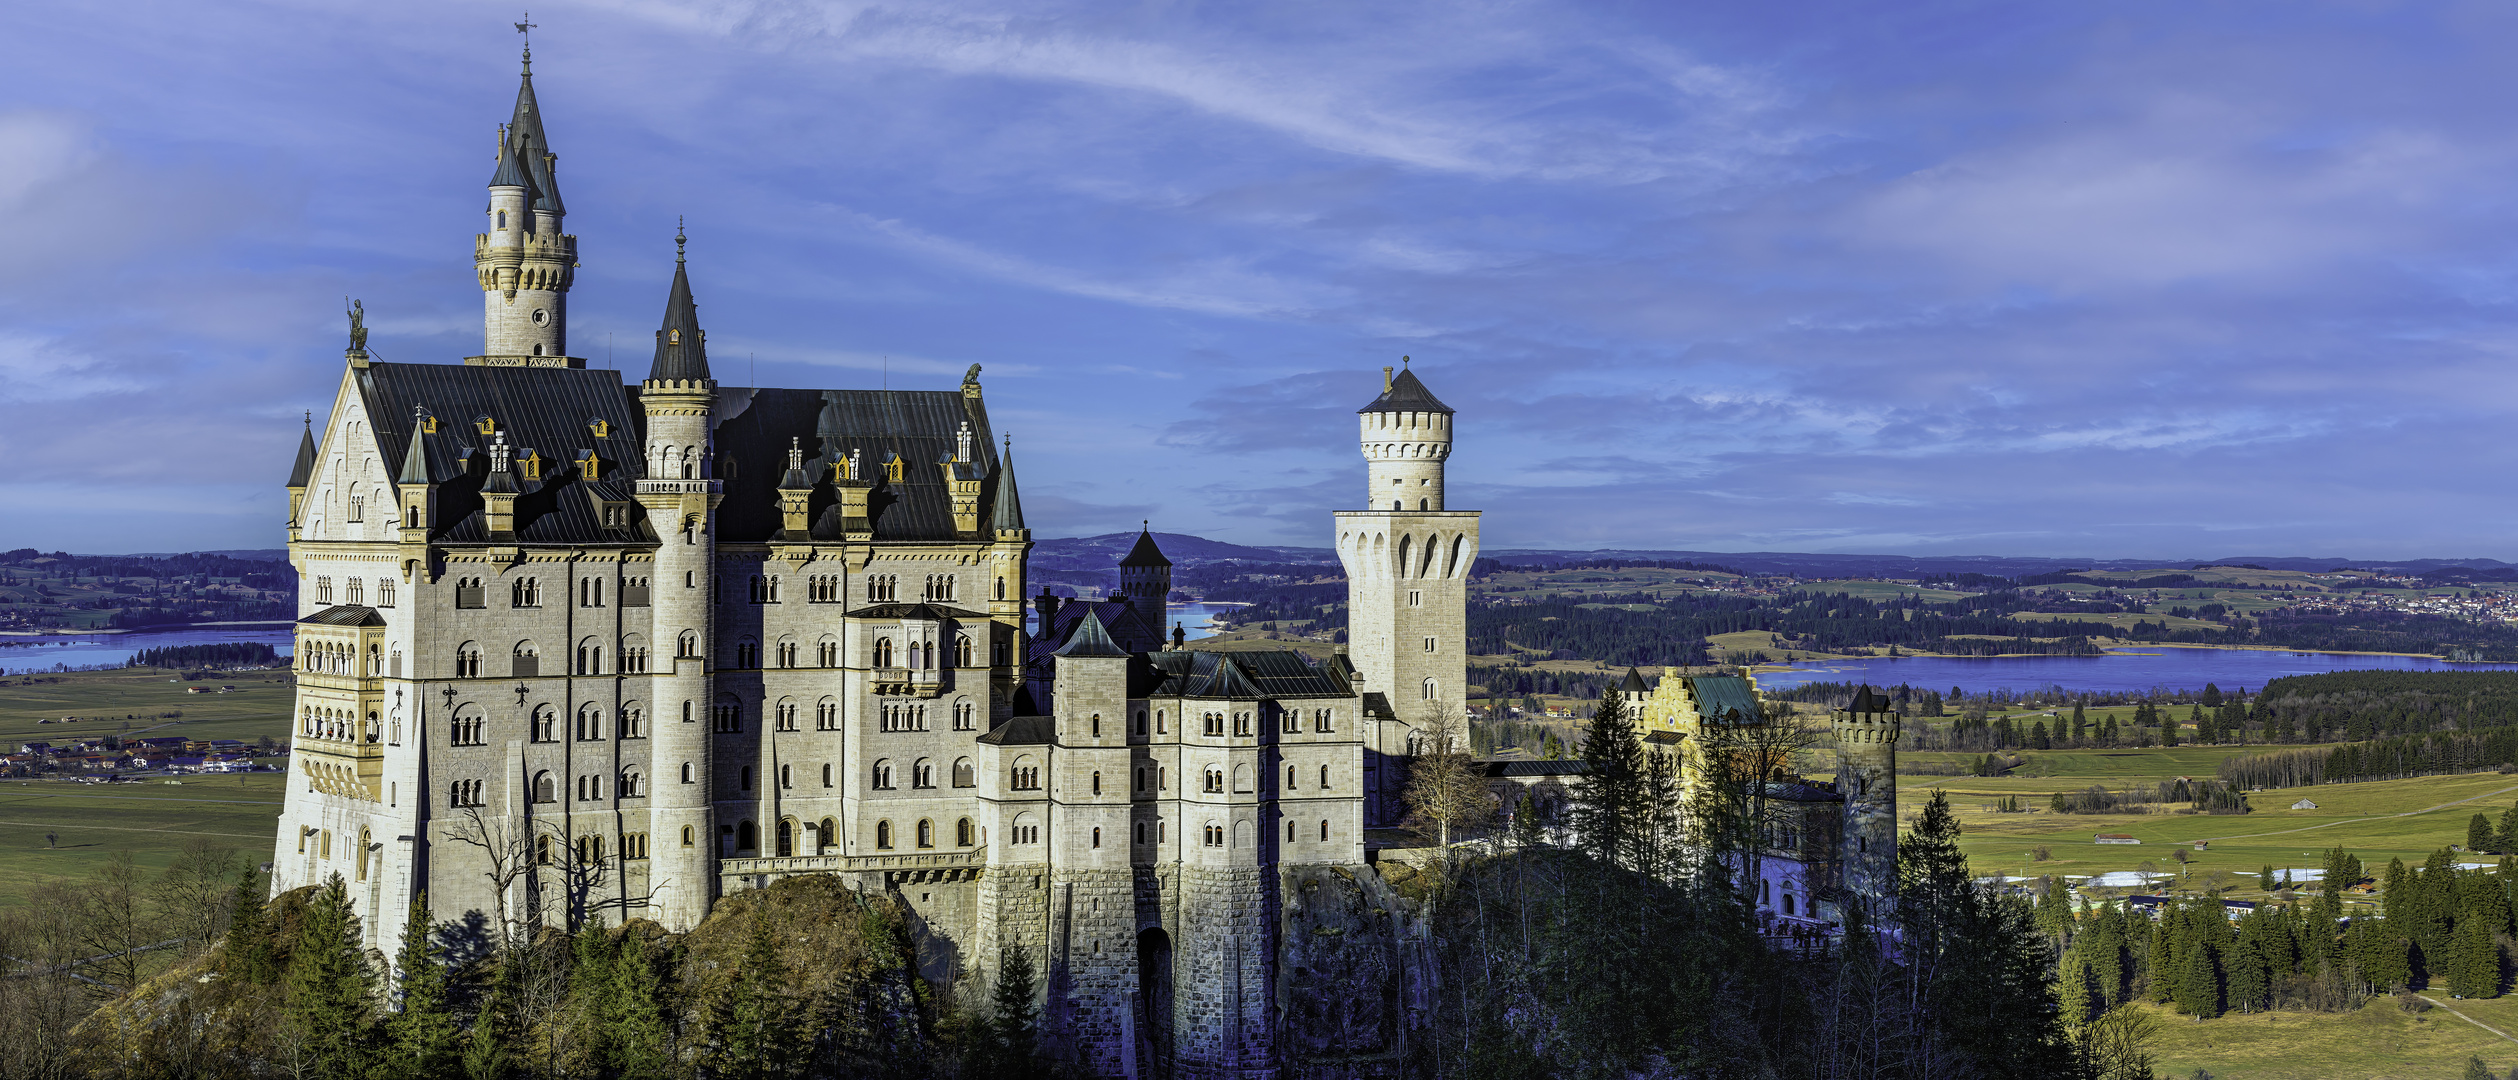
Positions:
(2128, 669)
(19, 655)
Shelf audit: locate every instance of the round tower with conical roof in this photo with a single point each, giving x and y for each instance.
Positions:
(1866, 775)
(680, 495)
(525, 263)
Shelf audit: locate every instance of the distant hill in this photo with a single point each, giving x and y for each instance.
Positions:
(1917, 566)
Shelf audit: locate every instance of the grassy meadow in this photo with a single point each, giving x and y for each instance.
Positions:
(152, 818)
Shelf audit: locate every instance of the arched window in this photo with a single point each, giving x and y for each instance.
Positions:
(526, 660)
(1097, 837)
(544, 789)
(1026, 774)
(786, 837)
(961, 833)
(1324, 828)
(467, 660)
(1215, 778)
(961, 650)
(883, 774)
(882, 652)
(1324, 778)
(1026, 829)
(923, 774)
(589, 722)
(926, 833)
(747, 837)
(883, 836)
(826, 837)
(633, 784)
(687, 645)
(1241, 777)
(686, 772)
(964, 774)
(1428, 692)
(546, 724)
(589, 657)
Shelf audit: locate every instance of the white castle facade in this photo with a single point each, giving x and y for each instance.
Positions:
(574, 648)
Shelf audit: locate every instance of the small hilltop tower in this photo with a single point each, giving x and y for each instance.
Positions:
(525, 262)
(1145, 579)
(1866, 775)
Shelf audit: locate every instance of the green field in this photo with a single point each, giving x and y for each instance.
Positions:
(150, 818)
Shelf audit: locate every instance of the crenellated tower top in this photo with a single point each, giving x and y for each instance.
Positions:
(525, 263)
(1406, 435)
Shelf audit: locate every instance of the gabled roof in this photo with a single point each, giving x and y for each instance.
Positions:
(303, 472)
(1090, 639)
(1406, 394)
(344, 615)
(1723, 698)
(534, 407)
(1146, 553)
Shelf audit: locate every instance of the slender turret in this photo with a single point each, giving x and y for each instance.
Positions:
(681, 497)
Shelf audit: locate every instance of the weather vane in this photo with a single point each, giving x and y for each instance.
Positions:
(526, 28)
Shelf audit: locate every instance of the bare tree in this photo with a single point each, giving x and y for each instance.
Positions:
(1733, 812)
(1444, 788)
(508, 847)
(40, 1000)
(115, 921)
(193, 892)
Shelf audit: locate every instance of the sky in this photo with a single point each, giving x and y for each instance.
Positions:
(2174, 280)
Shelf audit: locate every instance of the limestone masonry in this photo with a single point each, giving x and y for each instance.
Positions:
(576, 649)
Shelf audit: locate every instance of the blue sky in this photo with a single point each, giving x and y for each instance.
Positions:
(2146, 279)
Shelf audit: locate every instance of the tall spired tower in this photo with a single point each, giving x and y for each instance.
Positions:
(525, 262)
(680, 494)
(1407, 563)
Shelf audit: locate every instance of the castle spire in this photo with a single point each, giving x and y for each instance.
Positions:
(681, 348)
(304, 471)
(1009, 509)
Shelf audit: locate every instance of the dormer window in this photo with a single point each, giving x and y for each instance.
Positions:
(673, 336)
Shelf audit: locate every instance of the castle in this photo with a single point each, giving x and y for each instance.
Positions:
(571, 648)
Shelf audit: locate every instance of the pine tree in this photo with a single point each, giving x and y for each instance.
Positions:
(2474, 961)
(2072, 989)
(2264, 878)
(1014, 1012)
(422, 1041)
(2479, 836)
(2080, 723)
(751, 1017)
(1610, 798)
(331, 994)
(2198, 989)
(485, 1055)
(2506, 837)
(249, 956)
(2248, 964)
(2211, 695)
(2477, 1070)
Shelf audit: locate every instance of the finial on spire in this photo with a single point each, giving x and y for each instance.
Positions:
(1403, 361)
(678, 239)
(310, 419)
(526, 28)
(795, 452)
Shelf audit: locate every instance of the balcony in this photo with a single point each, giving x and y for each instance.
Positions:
(913, 867)
(909, 682)
(678, 487)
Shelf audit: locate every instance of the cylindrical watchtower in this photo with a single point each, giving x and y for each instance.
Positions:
(680, 496)
(1406, 436)
(1866, 775)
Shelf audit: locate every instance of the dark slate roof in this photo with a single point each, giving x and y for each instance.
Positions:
(1406, 394)
(546, 188)
(303, 472)
(936, 612)
(1118, 617)
(1008, 505)
(1090, 639)
(754, 427)
(511, 168)
(1145, 553)
(546, 410)
(1023, 731)
(1724, 698)
(1797, 791)
(344, 615)
(1634, 683)
(1526, 767)
(681, 352)
(1284, 673)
